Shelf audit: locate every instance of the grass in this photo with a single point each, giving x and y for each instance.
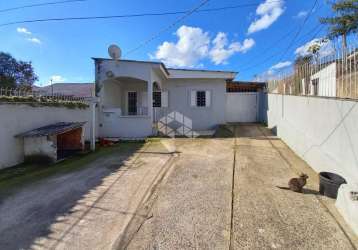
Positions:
(26, 173)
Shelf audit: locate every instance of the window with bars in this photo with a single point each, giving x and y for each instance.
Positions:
(200, 99)
(132, 103)
(157, 99)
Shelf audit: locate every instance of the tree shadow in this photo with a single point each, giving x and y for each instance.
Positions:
(29, 213)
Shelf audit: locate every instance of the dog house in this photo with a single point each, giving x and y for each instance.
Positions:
(54, 142)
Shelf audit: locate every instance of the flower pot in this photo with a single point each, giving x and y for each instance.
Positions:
(329, 184)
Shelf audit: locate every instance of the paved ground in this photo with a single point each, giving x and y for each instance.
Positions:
(212, 194)
(266, 217)
(87, 209)
(194, 209)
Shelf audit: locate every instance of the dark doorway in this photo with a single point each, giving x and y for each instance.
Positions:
(69, 143)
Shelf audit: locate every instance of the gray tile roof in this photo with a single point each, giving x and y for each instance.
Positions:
(53, 129)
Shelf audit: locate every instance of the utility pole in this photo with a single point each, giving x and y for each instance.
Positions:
(51, 86)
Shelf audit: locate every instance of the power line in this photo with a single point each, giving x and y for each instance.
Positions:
(299, 30)
(156, 35)
(291, 43)
(129, 15)
(39, 4)
(280, 39)
(271, 56)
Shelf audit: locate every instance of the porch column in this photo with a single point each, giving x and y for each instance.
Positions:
(93, 104)
(150, 98)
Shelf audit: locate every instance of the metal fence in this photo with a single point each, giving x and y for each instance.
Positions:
(332, 75)
(40, 95)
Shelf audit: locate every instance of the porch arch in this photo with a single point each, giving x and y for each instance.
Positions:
(115, 96)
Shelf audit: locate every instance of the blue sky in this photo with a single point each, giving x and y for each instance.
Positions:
(235, 39)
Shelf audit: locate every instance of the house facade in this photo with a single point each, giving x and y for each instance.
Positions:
(134, 95)
(324, 81)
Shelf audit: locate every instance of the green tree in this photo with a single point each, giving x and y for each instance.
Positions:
(14, 73)
(344, 21)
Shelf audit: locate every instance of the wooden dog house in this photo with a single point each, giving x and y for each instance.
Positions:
(55, 141)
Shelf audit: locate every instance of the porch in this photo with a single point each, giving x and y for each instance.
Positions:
(127, 107)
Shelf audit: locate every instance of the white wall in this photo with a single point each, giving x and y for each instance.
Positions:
(41, 146)
(114, 125)
(323, 131)
(203, 118)
(19, 118)
(112, 91)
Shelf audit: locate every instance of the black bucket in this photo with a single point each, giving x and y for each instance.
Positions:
(329, 184)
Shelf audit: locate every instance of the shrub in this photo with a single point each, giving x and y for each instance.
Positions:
(43, 101)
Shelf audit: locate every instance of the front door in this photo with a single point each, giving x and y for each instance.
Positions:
(132, 103)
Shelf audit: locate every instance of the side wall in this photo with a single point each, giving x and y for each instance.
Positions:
(323, 131)
(41, 145)
(18, 118)
(204, 118)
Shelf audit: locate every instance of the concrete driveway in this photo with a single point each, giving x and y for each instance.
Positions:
(86, 209)
(222, 194)
(218, 193)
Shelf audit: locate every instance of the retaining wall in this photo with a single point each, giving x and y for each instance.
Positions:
(323, 131)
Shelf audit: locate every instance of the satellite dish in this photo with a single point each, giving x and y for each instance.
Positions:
(114, 52)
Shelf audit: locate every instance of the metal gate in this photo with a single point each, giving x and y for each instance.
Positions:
(242, 107)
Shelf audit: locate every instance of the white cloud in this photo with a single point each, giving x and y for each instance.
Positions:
(57, 78)
(222, 50)
(281, 65)
(34, 40)
(194, 45)
(271, 72)
(325, 50)
(23, 31)
(268, 13)
(301, 14)
(247, 44)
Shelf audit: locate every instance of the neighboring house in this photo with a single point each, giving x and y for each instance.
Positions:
(335, 78)
(84, 90)
(324, 81)
(133, 95)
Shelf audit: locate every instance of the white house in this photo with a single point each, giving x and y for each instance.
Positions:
(133, 95)
(324, 81)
